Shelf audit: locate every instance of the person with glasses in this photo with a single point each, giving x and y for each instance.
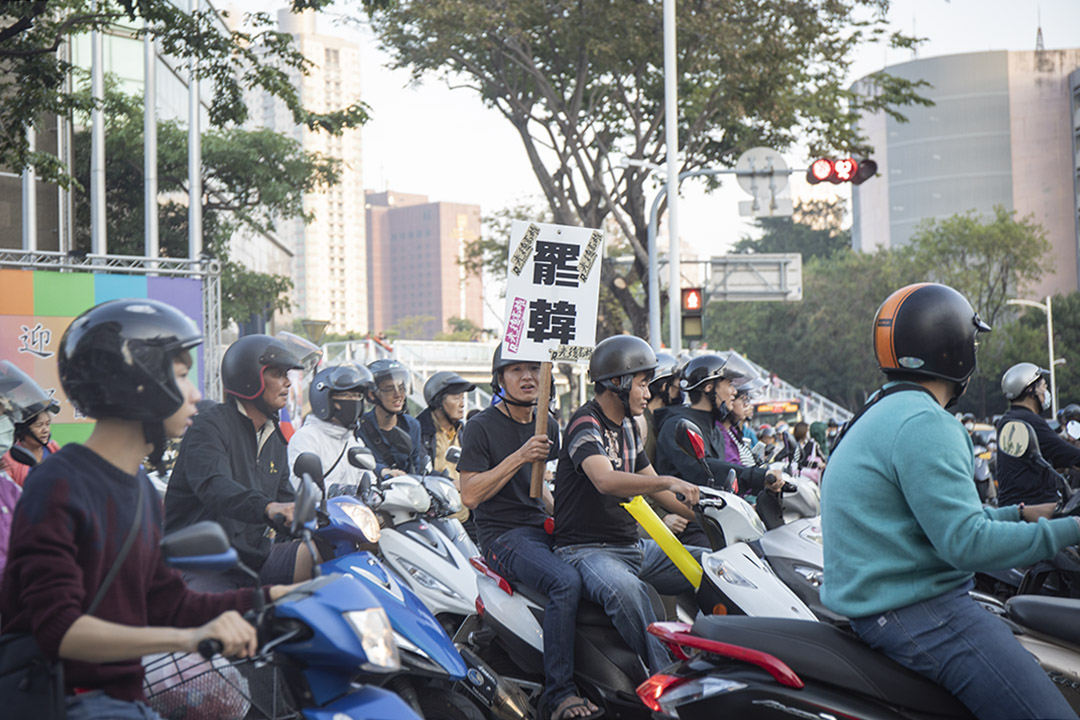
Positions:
(391, 383)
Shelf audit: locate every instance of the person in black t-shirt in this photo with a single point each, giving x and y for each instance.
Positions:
(602, 464)
(497, 452)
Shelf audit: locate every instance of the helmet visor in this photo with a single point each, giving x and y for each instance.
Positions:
(20, 396)
(346, 377)
(392, 382)
(738, 369)
(305, 354)
(751, 388)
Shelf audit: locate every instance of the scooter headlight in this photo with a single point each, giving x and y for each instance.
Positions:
(408, 645)
(428, 581)
(726, 572)
(364, 519)
(376, 636)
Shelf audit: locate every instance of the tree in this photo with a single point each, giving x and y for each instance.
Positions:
(988, 261)
(813, 230)
(32, 81)
(461, 330)
(582, 81)
(250, 178)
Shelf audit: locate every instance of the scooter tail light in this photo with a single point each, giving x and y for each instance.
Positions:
(674, 633)
(651, 690)
(480, 606)
(482, 568)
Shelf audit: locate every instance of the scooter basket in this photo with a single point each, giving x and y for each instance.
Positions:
(188, 687)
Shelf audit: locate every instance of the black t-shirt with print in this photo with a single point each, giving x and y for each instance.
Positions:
(488, 439)
(582, 513)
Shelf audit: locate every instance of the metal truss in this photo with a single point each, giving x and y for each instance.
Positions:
(206, 269)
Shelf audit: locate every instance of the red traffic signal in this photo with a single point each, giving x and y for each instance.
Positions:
(840, 171)
(692, 301)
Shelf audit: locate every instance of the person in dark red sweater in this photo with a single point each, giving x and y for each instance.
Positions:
(125, 363)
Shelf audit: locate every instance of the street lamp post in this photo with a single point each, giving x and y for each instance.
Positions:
(1047, 308)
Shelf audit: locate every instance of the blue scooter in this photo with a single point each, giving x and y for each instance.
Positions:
(329, 636)
(437, 679)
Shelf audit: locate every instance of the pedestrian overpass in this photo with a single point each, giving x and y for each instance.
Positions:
(472, 360)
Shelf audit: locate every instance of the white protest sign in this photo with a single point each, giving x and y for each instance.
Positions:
(552, 292)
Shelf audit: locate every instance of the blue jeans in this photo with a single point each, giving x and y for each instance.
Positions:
(524, 555)
(615, 576)
(969, 652)
(96, 705)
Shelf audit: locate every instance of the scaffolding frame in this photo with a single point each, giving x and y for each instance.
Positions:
(206, 269)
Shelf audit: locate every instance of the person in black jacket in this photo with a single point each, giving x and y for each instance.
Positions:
(709, 379)
(1024, 386)
(233, 468)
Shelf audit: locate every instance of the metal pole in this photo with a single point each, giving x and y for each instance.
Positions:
(150, 177)
(98, 239)
(671, 126)
(654, 275)
(1050, 344)
(195, 239)
(29, 197)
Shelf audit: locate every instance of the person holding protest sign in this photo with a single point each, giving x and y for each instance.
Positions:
(497, 452)
(602, 465)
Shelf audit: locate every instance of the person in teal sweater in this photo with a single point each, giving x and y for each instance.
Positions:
(903, 526)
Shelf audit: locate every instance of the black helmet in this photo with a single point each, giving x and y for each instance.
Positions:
(498, 362)
(246, 359)
(337, 378)
(116, 359)
(667, 366)
(928, 330)
(701, 370)
(621, 355)
(1069, 412)
(442, 384)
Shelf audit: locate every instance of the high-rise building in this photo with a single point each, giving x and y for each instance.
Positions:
(414, 253)
(1001, 131)
(330, 262)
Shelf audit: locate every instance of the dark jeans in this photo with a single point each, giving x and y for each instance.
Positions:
(971, 653)
(524, 555)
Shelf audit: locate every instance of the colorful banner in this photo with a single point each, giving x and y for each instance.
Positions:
(37, 307)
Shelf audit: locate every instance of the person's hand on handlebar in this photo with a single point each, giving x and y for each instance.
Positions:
(689, 492)
(1032, 513)
(283, 509)
(774, 480)
(237, 635)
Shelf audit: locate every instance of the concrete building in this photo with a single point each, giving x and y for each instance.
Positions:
(330, 264)
(414, 248)
(1001, 132)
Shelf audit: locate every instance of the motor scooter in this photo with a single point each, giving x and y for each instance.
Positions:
(329, 638)
(437, 679)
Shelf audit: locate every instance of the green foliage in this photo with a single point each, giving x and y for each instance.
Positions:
(461, 330)
(32, 83)
(813, 230)
(824, 342)
(582, 82)
(989, 262)
(249, 177)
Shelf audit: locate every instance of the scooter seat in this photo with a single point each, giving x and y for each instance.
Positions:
(589, 613)
(818, 651)
(1052, 616)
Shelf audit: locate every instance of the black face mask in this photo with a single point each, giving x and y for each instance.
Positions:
(346, 412)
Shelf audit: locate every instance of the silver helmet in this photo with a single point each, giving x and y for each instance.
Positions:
(1019, 377)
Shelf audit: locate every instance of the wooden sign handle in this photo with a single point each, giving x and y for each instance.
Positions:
(537, 486)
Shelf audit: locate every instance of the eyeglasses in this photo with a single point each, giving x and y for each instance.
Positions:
(398, 389)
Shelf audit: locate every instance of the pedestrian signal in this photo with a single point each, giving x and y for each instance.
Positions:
(692, 303)
(693, 306)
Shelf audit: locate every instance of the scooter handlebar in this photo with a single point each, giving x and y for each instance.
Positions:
(210, 647)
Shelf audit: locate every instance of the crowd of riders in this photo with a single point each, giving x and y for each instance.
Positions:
(98, 600)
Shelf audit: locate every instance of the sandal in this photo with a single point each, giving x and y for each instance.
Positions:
(594, 715)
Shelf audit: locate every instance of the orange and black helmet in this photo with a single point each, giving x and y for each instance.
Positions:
(927, 329)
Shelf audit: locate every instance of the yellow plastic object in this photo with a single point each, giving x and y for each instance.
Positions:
(667, 541)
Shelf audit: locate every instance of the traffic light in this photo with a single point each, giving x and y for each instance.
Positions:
(693, 305)
(840, 171)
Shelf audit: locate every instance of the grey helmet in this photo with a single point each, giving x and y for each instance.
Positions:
(666, 374)
(1019, 378)
(444, 383)
(339, 378)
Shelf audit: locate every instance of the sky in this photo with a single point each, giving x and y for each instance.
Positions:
(444, 143)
